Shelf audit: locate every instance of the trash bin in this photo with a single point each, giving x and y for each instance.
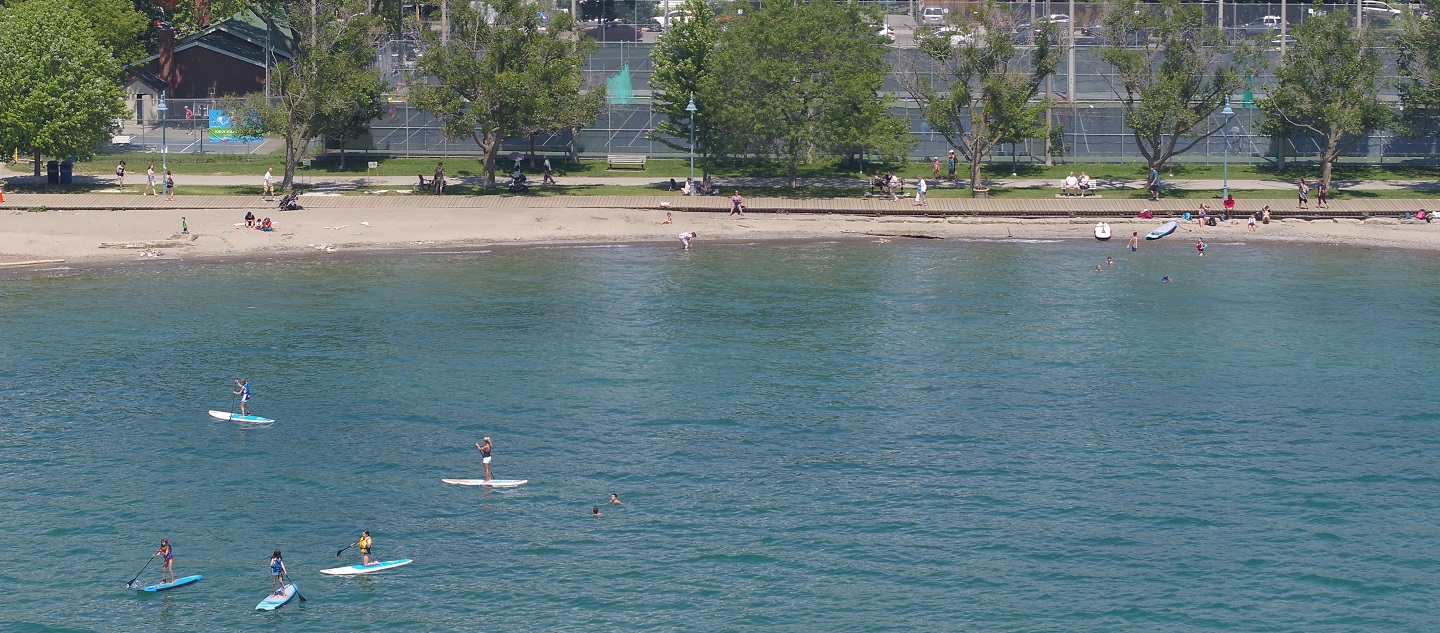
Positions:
(67, 169)
(52, 172)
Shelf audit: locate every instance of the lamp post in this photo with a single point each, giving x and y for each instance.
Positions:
(161, 108)
(1228, 113)
(691, 109)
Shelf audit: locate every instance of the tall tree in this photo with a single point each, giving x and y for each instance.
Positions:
(118, 27)
(983, 93)
(1327, 87)
(682, 61)
(803, 81)
(1419, 64)
(331, 73)
(501, 75)
(60, 96)
(1175, 79)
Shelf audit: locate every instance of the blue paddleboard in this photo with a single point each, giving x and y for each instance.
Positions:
(1165, 229)
(365, 569)
(171, 585)
(276, 600)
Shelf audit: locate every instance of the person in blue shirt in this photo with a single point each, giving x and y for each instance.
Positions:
(242, 389)
(277, 573)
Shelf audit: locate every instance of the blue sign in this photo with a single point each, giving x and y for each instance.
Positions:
(222, 129)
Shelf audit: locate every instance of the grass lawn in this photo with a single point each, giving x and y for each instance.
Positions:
(355, 165)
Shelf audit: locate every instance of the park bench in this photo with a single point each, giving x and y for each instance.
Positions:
(625, 159)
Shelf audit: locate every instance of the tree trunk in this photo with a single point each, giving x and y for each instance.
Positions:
(490, 145)
(974, 171)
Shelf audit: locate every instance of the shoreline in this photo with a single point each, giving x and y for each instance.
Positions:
(85, 238)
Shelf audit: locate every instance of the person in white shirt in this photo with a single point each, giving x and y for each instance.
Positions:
(1084, 183)
(921, 188)
(686, 237)
(1072, 184)
(269, 183)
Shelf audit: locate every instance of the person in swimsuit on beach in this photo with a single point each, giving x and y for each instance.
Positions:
(737, 204)
(277, 573)
(242, 389)
(1134, 241)
(1252, 223)
(169, 566)
(686, 237)
(485, 456)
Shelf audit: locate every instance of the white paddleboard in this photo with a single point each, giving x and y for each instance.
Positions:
(493, 483)
(236, 417)
(276, 600)
(355, 570)
(1102, 231)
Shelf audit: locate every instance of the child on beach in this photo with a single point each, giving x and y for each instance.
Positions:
(1200, 246)
(1134, 241)
(184, 226)
(1253, 229)
(686, 237)
(667, 218)
(277, 572)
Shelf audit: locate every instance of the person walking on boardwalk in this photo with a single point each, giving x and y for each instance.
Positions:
(242, 389)
(1302, 191)
(485, 456)
(549, 177)
(277, 573)
(1154, 184)
(269, 184)
(920, 190)
(1322, 192)
(149, 181)
(169, 185)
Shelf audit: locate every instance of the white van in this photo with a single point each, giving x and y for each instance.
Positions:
(933, 15)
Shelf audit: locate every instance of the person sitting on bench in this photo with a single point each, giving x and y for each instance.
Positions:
(1071, 186)
(1085, 184)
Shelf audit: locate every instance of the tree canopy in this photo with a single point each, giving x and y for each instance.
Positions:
(1419, 64)
(60, 95)
(682, 61)
(329, 80)
(501, 75)
(979, 92)
(1327, 87)
(1175, 79)
(800, 81)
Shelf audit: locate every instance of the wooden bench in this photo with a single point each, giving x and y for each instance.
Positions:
(625, 159)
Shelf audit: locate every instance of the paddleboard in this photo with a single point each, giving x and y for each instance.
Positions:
(355, 570)
(1102, 231)
(493, 483)
(276, 600)
(1165, 229)
(236, 417)
(171, 585)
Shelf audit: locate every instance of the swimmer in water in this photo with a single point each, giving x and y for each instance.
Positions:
(1109, 261)
(1097, 268)
(614, 498)
(595, 511)
(1165, 280)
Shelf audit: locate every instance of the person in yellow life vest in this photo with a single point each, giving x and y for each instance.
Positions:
(365, 543)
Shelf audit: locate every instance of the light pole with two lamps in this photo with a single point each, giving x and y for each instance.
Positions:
(1224, 126)
(691, 109)
(164, 149)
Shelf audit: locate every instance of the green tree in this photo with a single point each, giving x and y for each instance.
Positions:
(1419, 63)
(801, 81)
(681, 60)
(119, 27)
(1176, 77)
(977, 91)
(331, 75)
(1327, 87)
(60, 96)
(500, 75)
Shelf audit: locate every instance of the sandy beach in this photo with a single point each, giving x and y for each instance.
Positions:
(98, 237)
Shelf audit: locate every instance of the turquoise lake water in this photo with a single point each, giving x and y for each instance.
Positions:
(923, 436)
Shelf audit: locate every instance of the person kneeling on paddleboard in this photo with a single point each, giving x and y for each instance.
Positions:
(277, 573)
(365, 544)
(242, 389)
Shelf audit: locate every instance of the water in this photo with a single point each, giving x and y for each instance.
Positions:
(917, 436)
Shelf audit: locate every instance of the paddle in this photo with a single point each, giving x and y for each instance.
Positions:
(342, 551)
(297, 589)
(131, 584)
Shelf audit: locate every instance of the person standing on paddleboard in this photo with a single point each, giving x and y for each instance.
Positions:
(277, 573)
(169, 566)
(485, 456)
(242, 389)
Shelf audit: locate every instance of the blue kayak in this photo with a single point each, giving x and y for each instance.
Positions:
(1165, 229)
(171, 585)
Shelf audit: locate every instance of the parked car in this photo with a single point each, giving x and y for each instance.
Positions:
(1262, 28)
(1377, 8)
(934, 15)
(886, 33)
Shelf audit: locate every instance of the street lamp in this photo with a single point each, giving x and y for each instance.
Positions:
(1228, 113)
(161, 108)
(691, 109)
